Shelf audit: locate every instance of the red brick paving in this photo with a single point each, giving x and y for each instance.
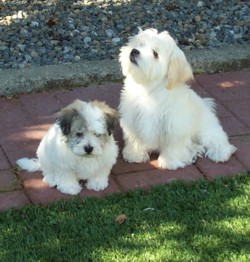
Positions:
(24, 121)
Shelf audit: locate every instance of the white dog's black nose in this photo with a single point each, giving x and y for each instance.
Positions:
(133, 55)
(88, 149)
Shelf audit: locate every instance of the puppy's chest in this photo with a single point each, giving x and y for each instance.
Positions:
(149, 117)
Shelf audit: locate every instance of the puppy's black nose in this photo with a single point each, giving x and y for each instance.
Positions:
(88, 149)
(134, 52)
(133, 55)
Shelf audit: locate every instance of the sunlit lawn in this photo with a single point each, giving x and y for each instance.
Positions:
(203, 221)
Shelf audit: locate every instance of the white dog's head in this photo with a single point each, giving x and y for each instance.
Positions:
(151, 57)
(87, 127)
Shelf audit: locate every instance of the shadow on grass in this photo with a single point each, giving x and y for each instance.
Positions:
(196, 222)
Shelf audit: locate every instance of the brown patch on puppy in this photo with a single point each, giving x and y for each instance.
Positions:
(66, 115)
(110, 114)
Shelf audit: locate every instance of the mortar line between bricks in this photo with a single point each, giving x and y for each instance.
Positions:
(117, 183)
(202, 173)
(135, 171)
(15, 173)
(222, 103)
(235, 157)
(123, 190)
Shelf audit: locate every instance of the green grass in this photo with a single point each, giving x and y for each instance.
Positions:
(203, 221)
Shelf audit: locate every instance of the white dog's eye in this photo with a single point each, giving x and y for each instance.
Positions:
(98, 135)
(79, 134)
(155, 54)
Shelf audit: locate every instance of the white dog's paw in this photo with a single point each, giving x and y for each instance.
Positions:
(97, 184)
(221, 153)
(164, 164)
(49, 180)
(135, 157)
(70, 188)
(169, 164)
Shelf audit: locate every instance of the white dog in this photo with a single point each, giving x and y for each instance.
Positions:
(80, 145)
(159, 112)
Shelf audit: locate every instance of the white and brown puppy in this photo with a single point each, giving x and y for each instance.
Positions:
(159, 111)
(79, 146)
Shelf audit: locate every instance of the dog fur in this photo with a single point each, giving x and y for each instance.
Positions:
(79, 146)
(158, 109)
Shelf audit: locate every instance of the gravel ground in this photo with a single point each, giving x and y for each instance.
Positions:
(45, 32)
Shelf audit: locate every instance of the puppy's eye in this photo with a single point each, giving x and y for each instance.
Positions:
(79, 134)
(155, 54)
(98, 135)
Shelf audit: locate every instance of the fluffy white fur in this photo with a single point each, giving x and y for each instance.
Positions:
(158, 110)
(79, 146)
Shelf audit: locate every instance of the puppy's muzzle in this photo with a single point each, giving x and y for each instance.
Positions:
(133, 55)
(88, 149)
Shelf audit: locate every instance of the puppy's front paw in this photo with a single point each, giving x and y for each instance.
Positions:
(97, 184)
(71, 189)
(135, 157)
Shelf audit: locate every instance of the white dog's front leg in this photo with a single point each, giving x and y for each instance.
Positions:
(69, 186)
(179, 154)
(134, 152)
(98, 183)
(166, 162)
(50, 180)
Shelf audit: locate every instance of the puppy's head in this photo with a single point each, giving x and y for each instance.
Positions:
(87, 126)
(152, 57)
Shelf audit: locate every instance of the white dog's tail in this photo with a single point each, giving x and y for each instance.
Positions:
(29, 164)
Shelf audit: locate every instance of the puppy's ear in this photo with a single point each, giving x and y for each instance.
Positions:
(64, 119)
(111, 118)
(179, 70)
(110, 115)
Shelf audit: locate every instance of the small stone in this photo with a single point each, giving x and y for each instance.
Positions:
(54, 42)
(109, 33)
(42, 50)
(76, 32)
(197, 18)
(34, 24)
(21, 47)
(66, 49)
(85, 28)
(200, 4)
(237, 36)
(120, 26)
(34, 54)
(104, 19)
(83, 34)
(116, 40)
(71, 27)
(77, 58)
(87, 40)
(28, 57)
(3, 47)
(23, 31)
(61, 31)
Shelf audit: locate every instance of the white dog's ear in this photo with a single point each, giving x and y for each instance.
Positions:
(64, 119)
(110, 115)
(179, 69)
